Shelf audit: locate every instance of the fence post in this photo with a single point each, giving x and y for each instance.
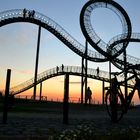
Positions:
(66, 99)
(103, 92)
(5, 106)
(36, 63)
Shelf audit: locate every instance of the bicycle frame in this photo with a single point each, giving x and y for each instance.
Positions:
(115, 109)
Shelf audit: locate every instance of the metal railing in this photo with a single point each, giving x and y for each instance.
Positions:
(18, 13)
(72, 70)
(76, 46)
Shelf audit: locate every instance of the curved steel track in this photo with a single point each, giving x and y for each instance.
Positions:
(71, 70)
(108, 50)
(16, 15)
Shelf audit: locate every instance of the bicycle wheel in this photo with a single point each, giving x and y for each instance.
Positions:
(115, 108)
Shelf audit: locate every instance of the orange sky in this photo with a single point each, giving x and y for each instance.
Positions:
(54, 87)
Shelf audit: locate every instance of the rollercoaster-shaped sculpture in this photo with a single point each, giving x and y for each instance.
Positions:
(117, 103)
(113, 51)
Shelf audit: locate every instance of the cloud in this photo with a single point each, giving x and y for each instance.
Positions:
(24, 71)
(74, 82)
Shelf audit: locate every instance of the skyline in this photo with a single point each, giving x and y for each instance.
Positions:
(22, 59)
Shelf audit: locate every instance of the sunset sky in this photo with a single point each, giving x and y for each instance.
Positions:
(19, 41)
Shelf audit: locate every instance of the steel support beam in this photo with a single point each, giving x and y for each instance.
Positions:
(5, 106)
(125, 74)
(110, 72)
(40, 91)
(36, 64)
(103, 92)
(66, 99)
(86, 66)
(82, 81)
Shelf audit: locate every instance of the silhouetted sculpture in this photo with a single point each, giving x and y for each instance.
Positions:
(88, 95)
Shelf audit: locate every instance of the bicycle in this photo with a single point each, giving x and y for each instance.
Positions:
(117, 105)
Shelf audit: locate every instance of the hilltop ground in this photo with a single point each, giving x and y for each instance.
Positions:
(41, 120)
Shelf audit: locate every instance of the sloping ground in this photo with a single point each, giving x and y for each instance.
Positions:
(38, 121)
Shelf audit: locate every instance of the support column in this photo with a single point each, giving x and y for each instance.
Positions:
(103, 92)
(110, 72)
(5, 106)
(82, 80)
(40, 91)
(66, 99)
(125, 74)
(86, 65)
(36, 64)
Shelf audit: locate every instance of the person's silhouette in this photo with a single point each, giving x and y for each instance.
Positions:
(97, 71)
(57, 69)
(62, 67)
(88, 95)
(24, 12)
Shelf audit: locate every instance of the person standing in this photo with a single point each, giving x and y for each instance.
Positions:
(57, 69)
(97, 71)
(24, 12)
(88, 96)
(62, 67)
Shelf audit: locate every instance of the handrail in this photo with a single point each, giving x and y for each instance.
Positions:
(76, 46)
(72, 70)
(18, 13)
